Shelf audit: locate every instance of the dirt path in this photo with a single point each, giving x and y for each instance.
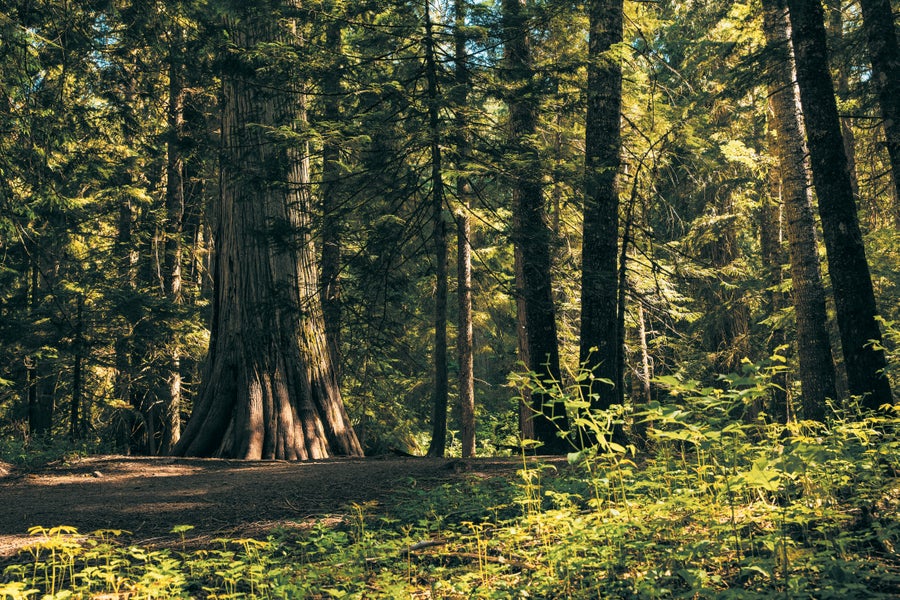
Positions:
(149, 496)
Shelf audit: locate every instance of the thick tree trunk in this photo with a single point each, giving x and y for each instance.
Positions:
(464, 341)
(849, 269)
(816, 371)
(884, 53)
(600, 344)
(531, 233)
(269, 389)
(441, 376)
(770, 221)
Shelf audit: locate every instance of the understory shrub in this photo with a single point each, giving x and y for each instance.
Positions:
(715, 507)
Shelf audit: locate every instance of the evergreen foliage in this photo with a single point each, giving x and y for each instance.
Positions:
(92, 334)
(721, 480)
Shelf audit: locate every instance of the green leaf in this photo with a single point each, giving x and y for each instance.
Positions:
(617, 448)
(577, 404)
(181, 528)
(762, 478)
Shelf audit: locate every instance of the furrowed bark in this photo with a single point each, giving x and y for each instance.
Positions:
(269, 389)
(847, 264)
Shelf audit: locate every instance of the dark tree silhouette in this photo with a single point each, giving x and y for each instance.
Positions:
(531, 234)
(854, 297)
(600, 343)
(816, 370)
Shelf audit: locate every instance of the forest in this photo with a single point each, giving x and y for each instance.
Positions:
(648, 251)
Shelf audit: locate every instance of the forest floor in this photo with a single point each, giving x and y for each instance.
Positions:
(148, 497)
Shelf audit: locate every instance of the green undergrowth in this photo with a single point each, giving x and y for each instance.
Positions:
(26, 454)
(714, 508)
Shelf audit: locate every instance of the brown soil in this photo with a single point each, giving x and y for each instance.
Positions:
(149, 496)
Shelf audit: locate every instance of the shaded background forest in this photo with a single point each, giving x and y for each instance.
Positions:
(109, 174)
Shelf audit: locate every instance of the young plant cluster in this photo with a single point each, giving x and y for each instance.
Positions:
(714, 507)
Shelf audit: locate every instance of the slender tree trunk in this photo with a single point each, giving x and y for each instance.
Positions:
(621, 302)
(464, 341)
(123, 347)
(170, 417)
(621, 298)
(600, 343)
(884, 53)
(642, 376)
(127, 259)
(332, 218)
(269, 389)
(441, 377)
(531, 233)
(35, 423)
(816, 371)
(853, 293)
(76, 426)
(646, 372)
(40, 414)
(465, 334)
(895, 205)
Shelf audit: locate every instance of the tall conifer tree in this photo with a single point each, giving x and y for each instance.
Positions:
(531, 233)
(847, 264)
(816, 371)
(600, 343)
(269, 389)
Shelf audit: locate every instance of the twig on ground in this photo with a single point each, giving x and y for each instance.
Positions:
(422, 545)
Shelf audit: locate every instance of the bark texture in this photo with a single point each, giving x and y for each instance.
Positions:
(816, 370)
(847, 264)
(772, 254)
(126, 258)
(464, 339)
(269, 389)
(170, 419)
(127, 387)
(531, 233)
(600, 342)
(441, 377)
